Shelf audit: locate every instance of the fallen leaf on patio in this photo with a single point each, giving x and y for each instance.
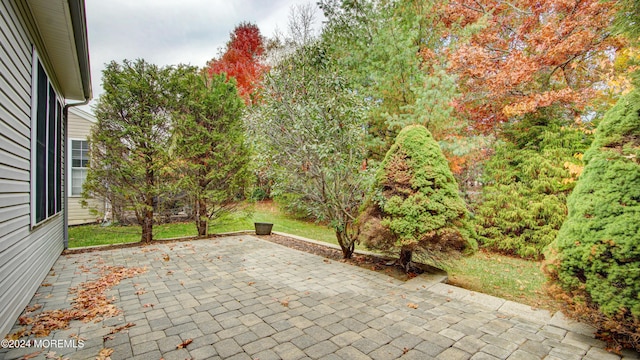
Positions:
(448, 299)
(182, 282)
(412, 305)
(184, 344)
(122, 327)
(105, 354)
(16, 335)
(77, 337)
(33, 308)
(53, 355)
(405, 350)
(31, 355)
(326, 261)
(148, 305)
(170, 272)
(285, 303)
(45, 285)
(251, 283)
(140, 292)
(165, 257)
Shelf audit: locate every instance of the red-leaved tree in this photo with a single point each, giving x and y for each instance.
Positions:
(524, 55)
(242, 59)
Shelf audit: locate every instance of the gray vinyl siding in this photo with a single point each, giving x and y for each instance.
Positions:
(26, 254)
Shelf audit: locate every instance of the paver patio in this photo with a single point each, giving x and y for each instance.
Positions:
(240, 297)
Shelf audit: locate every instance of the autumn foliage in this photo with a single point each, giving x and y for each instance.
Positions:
(90, 303)
(524, 55)
(242, 59)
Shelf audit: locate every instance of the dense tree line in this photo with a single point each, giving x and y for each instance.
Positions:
(507, 98)
(164, 131)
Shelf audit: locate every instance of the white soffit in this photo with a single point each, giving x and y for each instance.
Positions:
(53, 20)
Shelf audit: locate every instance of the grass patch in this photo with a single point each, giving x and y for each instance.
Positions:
(268, 211)
(92, 235)
(505, 277)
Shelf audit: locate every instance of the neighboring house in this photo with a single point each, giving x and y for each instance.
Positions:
(79, 124)
(44, 62)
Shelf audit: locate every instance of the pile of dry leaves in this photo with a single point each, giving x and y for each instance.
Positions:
(90, 303)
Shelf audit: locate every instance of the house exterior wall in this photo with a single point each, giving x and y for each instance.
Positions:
(80, 123)
(27, 252)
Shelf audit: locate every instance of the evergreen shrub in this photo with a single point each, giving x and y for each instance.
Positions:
(596, 257)
(414, 205)
(523, 202)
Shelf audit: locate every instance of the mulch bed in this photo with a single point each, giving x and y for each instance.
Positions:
(374, 263)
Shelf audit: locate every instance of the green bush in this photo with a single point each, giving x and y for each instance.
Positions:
(596, 256)
(414, 205)
(524, 198)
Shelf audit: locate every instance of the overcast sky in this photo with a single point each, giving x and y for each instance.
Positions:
(169, 32)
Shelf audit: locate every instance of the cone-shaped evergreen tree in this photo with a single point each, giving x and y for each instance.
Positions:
(414, 205)
(596, 256)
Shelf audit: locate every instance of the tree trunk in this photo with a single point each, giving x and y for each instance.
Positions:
(202, 222)
(405, 259)
(347, 248)
(147, 224)
(147, 221)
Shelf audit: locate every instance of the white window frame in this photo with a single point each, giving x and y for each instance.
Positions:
(70, 166)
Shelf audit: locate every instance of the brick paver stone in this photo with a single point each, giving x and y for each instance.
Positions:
(240, 297)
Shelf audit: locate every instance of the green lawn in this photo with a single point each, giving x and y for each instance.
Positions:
(503, 276)
(92, 235)
(489, 273)
(269, 212)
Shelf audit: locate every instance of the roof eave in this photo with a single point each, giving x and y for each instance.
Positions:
(62, 40)
(79, 23)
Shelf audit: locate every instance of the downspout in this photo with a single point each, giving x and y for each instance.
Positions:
(79, 24)
(65, 123)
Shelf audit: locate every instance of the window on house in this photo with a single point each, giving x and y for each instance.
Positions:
(79, 165)
(46, 147)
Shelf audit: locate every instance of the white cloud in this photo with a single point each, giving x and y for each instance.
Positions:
(169, 32)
